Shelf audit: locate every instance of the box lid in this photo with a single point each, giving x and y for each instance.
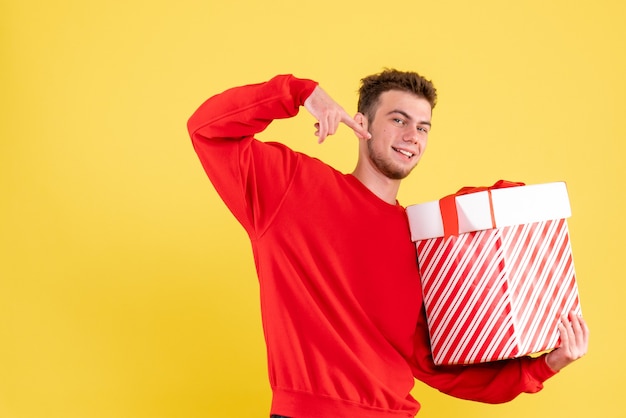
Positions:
(511, 206)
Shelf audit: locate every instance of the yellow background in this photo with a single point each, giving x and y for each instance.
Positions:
(126, 288)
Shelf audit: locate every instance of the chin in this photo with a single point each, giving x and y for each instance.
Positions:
(395, 174)
(390, 169)
(400, 175)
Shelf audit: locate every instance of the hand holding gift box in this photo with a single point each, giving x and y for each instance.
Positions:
(497, 272)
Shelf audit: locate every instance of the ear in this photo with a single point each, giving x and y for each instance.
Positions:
(361, 120)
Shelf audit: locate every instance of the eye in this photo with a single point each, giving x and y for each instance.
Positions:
(423, 129)
(399, 121)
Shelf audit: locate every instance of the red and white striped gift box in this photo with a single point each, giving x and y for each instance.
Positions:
(497, 288)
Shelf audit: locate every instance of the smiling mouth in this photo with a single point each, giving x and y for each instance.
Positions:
(404, 152)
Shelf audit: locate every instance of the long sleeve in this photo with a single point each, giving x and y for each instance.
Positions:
(250, 176)
(494, 382)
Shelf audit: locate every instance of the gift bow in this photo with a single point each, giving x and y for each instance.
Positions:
(449, 214)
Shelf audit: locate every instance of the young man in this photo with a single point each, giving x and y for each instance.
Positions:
(341, 302)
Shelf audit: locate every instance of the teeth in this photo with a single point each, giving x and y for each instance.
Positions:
(403, 152)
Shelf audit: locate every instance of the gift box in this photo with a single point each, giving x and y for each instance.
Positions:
(496, 270)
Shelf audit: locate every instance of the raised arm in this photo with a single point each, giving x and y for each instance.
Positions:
(241, 168)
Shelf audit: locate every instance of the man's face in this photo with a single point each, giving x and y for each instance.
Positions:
(399, 132)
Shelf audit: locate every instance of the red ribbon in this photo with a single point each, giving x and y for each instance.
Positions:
(449, 213)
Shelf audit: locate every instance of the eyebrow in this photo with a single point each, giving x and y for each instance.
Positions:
(406, 115)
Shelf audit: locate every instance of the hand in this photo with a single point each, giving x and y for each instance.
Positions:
(574, 342)
(329, 115)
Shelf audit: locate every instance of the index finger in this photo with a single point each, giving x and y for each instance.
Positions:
(358, 129)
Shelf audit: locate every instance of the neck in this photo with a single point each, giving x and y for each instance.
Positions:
(382, 186)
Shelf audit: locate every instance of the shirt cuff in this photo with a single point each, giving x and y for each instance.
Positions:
(540, 370)
(301, 89)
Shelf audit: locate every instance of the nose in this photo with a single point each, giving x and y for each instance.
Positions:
(412, 135)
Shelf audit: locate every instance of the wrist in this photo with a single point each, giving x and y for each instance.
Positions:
(552, 362)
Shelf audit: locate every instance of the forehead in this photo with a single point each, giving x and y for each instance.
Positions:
(415, 106)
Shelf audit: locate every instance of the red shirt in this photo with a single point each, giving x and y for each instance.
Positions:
(340, 294)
